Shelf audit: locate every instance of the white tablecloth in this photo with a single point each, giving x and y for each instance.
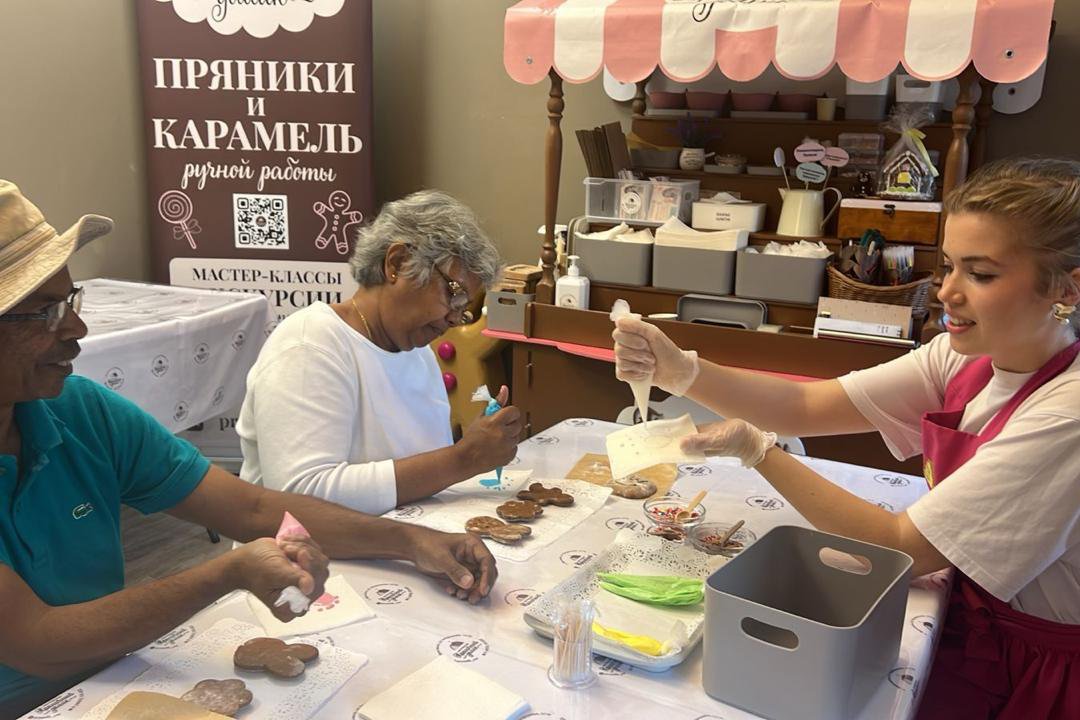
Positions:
(416, 621)
(181, 354)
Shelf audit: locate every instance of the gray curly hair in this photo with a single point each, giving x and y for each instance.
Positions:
(437, 227)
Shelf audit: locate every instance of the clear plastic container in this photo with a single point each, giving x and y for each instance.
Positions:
(571, 665)
(660, 512)
(642, 202)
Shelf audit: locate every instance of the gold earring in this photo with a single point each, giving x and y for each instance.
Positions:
(1063, 312)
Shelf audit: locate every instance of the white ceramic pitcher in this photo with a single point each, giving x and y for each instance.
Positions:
(803, 212)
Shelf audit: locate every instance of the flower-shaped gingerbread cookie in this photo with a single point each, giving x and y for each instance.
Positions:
(546, 495)
(497, 530)
(224, 697)
(519, 510)
(274, 656)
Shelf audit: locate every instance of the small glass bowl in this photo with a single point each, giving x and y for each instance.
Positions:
(705, 538)
(661, 511)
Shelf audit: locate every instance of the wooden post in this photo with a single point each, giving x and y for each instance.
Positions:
(956, 170)
(983, 111)
(545, 289)
(638, 105)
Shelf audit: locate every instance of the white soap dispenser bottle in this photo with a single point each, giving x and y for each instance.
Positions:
(572, 289)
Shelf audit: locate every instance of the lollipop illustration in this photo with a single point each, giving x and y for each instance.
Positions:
(175, 207)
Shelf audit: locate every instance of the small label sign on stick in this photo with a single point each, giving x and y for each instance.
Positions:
(809, 152)
(811, 172)
(835, 157)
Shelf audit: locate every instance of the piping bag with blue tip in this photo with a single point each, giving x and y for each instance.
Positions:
(482, 394)
(640, 388)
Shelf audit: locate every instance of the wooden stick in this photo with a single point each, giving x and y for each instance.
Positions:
(730, 531)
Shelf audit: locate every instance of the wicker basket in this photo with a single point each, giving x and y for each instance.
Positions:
(914, 293)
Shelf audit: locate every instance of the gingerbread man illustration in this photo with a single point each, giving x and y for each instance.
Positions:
(337, 218)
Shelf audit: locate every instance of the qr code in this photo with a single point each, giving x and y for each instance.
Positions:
(261, 221)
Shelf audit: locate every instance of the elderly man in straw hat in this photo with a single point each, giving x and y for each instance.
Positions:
(71, 452)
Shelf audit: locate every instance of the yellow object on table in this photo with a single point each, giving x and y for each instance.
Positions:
(641, 643)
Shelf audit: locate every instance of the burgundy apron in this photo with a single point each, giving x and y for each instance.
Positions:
(994, 661)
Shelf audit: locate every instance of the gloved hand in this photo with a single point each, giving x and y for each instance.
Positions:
(731, 438)
(641, 349)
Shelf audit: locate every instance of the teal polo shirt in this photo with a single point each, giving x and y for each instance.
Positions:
(84, 453)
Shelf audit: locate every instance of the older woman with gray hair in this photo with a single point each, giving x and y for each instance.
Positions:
(346, 401)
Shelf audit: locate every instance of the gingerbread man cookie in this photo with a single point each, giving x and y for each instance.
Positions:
(546, 496)
(497, 530)
(274, 656)
(633, 487)
(519, 510)
(221, 696)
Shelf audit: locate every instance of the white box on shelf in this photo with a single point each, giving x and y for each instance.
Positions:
(726, 216)
(912, 89)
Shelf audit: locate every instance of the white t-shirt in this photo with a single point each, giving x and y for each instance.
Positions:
(1008, 518)
(327, 412)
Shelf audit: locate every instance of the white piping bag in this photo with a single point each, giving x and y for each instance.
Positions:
(640, 388)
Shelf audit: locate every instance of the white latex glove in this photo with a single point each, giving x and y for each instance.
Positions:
(731, 438)
(641, 349)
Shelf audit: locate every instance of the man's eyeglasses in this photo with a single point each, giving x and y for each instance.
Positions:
(54, 313)
(459, 297)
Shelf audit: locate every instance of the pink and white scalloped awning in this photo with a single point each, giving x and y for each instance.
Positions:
(933, 39)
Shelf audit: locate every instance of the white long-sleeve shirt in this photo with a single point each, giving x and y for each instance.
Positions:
(327, 412)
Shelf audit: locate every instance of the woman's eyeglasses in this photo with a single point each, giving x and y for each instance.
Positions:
(54, 313)
(458, 297)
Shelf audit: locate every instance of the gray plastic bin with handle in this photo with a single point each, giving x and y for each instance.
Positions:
(795, 629)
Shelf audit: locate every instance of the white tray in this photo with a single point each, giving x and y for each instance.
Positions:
(643, 552)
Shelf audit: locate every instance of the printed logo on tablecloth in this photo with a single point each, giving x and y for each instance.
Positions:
(59, 705)
(924, 624)
(884, 505)
(406, 512)
(708, 717)
(180, 411)
(320, 641)
(388, 594)
(544, 440)
(462, 648)
(765, 502)
(576, 558)
(580, 422)
(607, 666)
(238, 339)
(621, 523)
(892, 480)
(219, 395)
(175, 638)
(114, 378)
(522, 598)
(202, 353)
(695, 469)
(903, 678)
(159, 366)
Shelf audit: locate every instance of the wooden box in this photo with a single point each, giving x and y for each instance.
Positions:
(900, 222)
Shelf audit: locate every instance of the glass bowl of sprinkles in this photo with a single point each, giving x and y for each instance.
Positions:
(719, 538)
(662, 514)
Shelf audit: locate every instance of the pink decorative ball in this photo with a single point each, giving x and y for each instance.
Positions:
(447, 351)
(450, 381)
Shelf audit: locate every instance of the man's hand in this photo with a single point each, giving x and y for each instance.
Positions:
(491, 440)
(266, 566)
(461, 562)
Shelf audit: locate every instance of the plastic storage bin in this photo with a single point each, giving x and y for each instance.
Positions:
(703, 270)
(913, 91)
(642, 202)
(779, 277)
(610, 261)
(867, 101)
(830, 631)
(506, 310)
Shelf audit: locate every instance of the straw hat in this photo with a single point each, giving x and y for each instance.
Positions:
(31, 251)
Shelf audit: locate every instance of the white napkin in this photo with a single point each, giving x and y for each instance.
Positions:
(643, 236)
(660, 623)
(446, 690)
(640, 446)
(339, 605)
(803, 248)
(606, 234)
(676, 233)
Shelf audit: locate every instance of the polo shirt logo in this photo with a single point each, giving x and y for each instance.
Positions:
(81, 511)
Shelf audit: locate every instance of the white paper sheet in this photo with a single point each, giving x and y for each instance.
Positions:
(210, 655)
(446, 690)
(338, 606)
(640, 446)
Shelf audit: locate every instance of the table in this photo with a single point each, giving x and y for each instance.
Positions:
(416, 620)
(181, 354)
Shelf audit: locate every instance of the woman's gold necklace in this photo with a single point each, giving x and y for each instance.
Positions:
(367, 328)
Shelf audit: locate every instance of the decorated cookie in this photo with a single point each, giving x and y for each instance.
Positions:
(274, 656)
(668, 532)
(546, 496)
(497, 530)
(633, 487)
(220, 696)
(519, 510)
